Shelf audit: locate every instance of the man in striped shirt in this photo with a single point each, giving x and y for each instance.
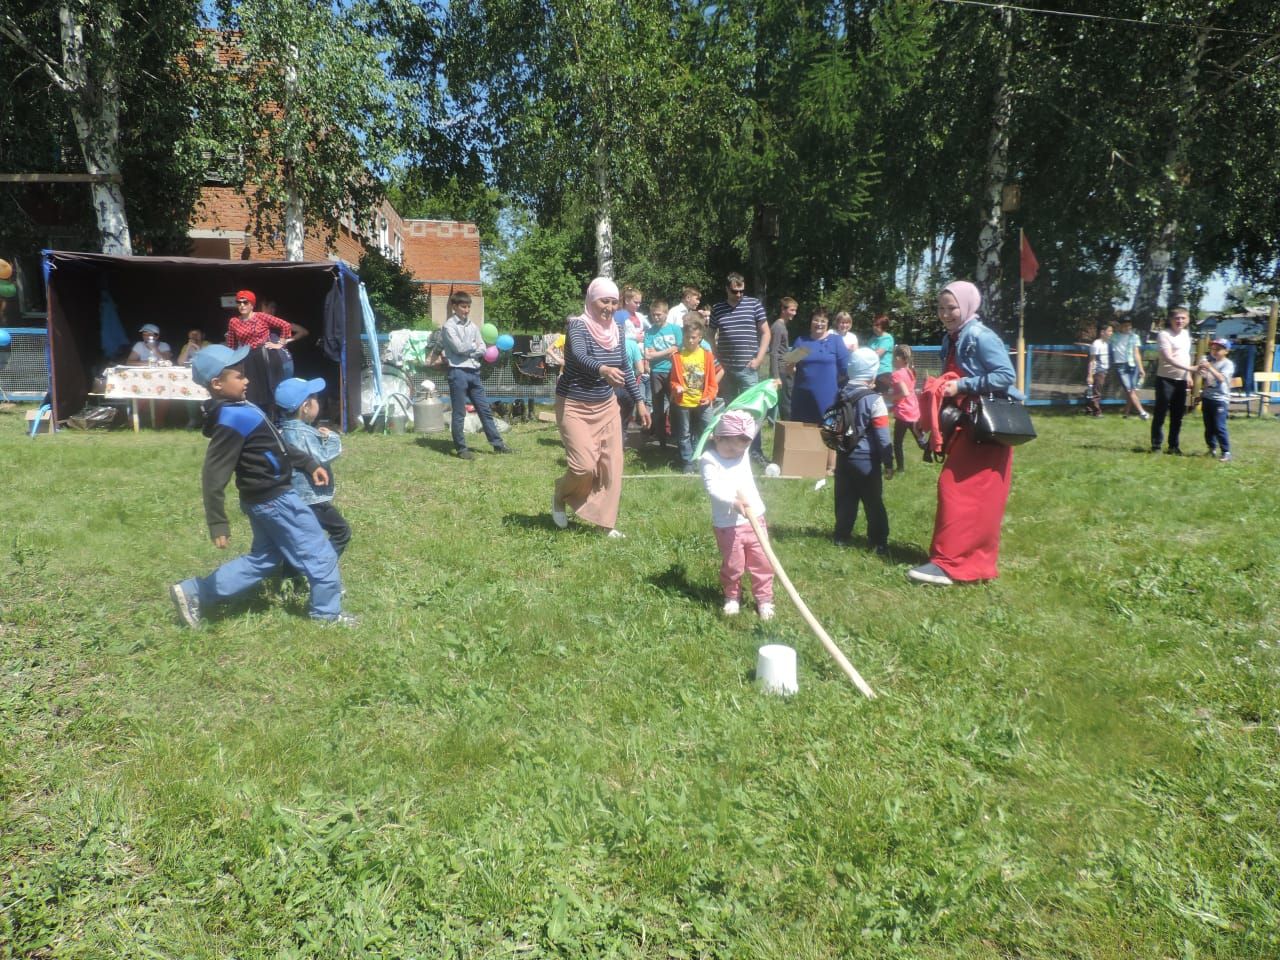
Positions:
(740, 332)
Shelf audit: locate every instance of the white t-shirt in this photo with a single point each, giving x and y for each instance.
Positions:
(1100, 354)
(850, 341)
(1177, 346)
(723, 479)
(676, 314)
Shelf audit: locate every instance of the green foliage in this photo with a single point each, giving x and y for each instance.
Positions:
(398, 303)
(544, 743)
(537, 285)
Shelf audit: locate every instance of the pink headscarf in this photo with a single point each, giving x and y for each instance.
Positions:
(736, 423)
(604, 334)
(967, 296)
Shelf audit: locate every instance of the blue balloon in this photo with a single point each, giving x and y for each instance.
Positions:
(6, 338)
(505, 342)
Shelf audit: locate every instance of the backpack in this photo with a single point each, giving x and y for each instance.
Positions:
(837, 425)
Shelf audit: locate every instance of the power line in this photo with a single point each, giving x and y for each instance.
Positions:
(1099, 16)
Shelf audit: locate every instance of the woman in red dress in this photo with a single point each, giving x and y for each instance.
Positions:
(974, 484)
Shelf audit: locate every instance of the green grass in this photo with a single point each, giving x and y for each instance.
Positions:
(544, 744)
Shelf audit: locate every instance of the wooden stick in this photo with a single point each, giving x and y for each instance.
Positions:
(809, 618)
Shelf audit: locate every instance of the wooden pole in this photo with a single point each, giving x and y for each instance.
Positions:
(809, 618)
(1268, 357)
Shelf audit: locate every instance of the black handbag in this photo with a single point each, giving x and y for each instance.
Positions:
(1001, 420)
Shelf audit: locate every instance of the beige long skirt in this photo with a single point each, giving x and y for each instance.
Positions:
(592, 436)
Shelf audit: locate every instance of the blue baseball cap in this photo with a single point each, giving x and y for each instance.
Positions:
(149, 328)
(291, 394)
(211, 361)
(1222, 342)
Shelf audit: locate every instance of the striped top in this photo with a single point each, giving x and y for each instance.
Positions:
(737, 331)
(583, 358)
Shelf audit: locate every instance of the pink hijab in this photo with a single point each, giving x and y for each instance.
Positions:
(967, 296)
(604, 334)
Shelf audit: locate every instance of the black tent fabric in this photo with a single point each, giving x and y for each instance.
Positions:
(179, 294)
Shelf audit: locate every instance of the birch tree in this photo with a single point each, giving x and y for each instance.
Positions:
(82, 62)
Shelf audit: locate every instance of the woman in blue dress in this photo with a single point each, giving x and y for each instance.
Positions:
(819, 375)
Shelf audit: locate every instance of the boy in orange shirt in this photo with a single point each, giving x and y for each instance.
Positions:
(694, 377)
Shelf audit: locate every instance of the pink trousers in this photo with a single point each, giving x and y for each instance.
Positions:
(742, 552)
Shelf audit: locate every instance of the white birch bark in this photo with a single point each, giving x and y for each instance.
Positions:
(987, 272)
(95, 111)
(604, 220)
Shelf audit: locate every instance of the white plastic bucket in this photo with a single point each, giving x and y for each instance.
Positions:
(776, 669)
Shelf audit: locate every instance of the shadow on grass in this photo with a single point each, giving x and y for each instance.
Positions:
(675, 580)
(442, 444)
(542, 521)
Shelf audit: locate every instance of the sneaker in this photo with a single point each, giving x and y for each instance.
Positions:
(765, 610)
(343, 619)
(1225, 458)
(1174, 452)
(503, 448)
(688, 468)
(558, 517)
(466, 454)
(1144, 416)
(188, 603)
(1213, 452)
(730, 608)
(616, 534)
(930, 573)
(882, 551)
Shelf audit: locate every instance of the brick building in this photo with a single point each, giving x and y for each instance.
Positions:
(441, 255)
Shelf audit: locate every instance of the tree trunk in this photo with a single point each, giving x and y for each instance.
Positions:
(294, 227)
(604, 221)
(757, 241)
(1177, 278)
(95, 111)
(1154, 266)
(987, 273)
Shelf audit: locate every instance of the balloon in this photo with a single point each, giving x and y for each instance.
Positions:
(490, 333)
(491, 355)
(506, 342)
(5, 339)
(8, 289)
(6, 269)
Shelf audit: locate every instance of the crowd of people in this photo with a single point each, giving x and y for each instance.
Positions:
(688, 365)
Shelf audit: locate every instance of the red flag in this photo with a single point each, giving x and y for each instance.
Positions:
(1030, 265)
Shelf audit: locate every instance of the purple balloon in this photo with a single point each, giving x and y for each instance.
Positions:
(491, 355)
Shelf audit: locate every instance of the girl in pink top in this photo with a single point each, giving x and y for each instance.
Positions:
(906, 407)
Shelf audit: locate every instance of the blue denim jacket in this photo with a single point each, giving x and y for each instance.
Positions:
(984, 360)
(305, 437)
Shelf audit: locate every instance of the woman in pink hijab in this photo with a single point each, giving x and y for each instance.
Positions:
(973, 487)
(587, 413)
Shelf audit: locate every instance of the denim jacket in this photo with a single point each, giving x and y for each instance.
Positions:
(323, 450)
(984, 360)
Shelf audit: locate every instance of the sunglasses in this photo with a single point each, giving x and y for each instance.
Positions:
(737, 293)
(244, 301)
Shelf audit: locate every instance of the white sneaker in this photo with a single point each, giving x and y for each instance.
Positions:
(930, 573)
(558, 517)
(616, 534)
(766, 611)
(731, 608)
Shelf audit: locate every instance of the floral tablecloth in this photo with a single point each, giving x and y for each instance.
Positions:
(152, 383)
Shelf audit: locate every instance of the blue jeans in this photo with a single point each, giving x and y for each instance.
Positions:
(735, 382)
(1215, 424)
(686, 422)
(284, 530)
(465, 387)
(661, 387)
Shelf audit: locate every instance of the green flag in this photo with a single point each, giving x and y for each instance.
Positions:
(758, 400)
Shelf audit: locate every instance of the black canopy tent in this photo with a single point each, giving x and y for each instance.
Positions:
(178, 294)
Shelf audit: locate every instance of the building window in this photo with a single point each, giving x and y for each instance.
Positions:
(384, 236)
(399, 249)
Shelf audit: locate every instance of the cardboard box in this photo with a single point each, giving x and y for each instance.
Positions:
(798, 449)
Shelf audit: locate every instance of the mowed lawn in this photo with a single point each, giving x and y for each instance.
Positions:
(548, 744)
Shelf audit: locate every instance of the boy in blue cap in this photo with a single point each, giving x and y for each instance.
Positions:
(243, 441)
(296, 401)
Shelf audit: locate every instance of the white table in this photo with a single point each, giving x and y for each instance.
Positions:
(151, 384)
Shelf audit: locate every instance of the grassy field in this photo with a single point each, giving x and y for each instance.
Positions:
(544, 743)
